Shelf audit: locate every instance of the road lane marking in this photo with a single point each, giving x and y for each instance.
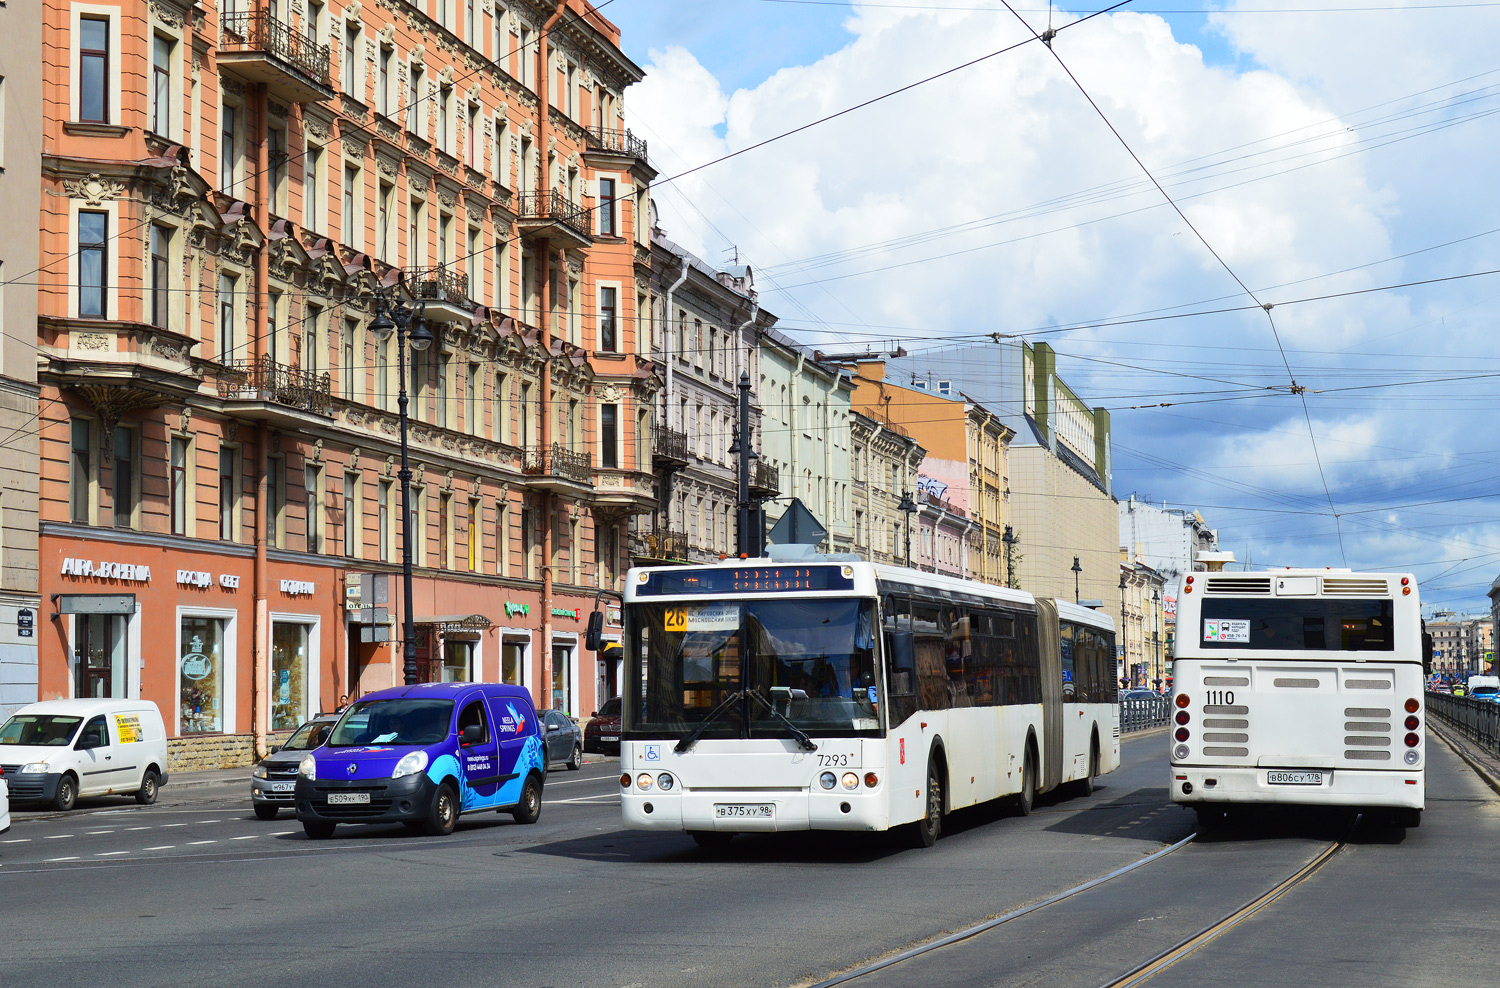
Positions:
(584, 799)
(56, 836)
(162, 847)
(51, 860)
(17, 840)
(105, 854)
(166, 825)
(95, 833)
(191, 843)
(246, 837)
(137, 828)
(208, 821)
(283, 833)
(573, 782)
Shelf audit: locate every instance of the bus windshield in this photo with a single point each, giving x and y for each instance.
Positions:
(809, 661)
(1324, 624)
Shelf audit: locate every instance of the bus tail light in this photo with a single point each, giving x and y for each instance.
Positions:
(1406, 591)
(872, 780)
(1183, 717)
(1182, 734)
(1412, 740)
(1412, 705)
(1182, 700)
(625, 780)
(1412, 723)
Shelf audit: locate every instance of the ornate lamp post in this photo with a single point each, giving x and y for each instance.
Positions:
(1010, 540)
(1125, 633)
(397, 316)
(907, 507)
(1156, 634)
(1076, 570)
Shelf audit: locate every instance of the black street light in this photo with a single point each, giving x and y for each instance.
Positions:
(1010, 540)
(398, 316)
(907, 507)
(1124, 629)
(1076, 570)
(1156, 634)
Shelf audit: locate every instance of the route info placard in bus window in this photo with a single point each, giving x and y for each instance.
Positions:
(703, 617)
(1226, 631)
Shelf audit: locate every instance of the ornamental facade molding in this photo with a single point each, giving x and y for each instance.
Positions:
(93, 189)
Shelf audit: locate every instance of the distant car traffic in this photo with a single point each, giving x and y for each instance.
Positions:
(602, 735)
(1140, 694)
(273, 782)
(563, 739)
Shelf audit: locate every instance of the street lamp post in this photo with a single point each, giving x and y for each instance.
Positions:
(907, 507)
(1156, 634)
(398, 316)
(1125, 632)
(1076, 570)
(1010, 540)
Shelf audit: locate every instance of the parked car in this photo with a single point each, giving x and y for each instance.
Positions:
(422, 755)
(58, 750)
(273, 781)
(563, 739)
(1140, 694)
(602, 735)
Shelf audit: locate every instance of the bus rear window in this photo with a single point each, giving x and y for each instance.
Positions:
(1312, 624)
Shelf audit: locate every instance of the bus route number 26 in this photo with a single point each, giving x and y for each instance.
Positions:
(676, 619)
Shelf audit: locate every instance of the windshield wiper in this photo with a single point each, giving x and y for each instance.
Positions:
(713, 715)
(802, 737)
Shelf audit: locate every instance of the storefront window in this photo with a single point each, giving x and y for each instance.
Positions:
(458, 661)
(99, 656)
(200, 675)
(562, 680)
(512, 662)
(289, 656)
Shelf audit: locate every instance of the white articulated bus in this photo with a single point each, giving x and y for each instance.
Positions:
(1299, 686)
(834, 694)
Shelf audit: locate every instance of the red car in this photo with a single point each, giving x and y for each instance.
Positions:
(602, 735)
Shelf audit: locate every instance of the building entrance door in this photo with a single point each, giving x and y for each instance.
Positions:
(99, 648)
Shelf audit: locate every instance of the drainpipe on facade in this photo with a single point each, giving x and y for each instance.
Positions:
(667, 353)
(261, 630)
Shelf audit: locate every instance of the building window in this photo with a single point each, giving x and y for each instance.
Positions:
(227, 285)
(181, 448)
(273, 342)
(473, 534)
(312, 482)
(383, 220)
(351, 178)
(513, 662)
(383, 373)
(93, 69)
(161, 84)
(290, 655)
(609, 436)
(93, 264)
(276, 162)
(418, 515)
(608, 309)
(442, 390)
(312, 212)
(606, 207)
(226, 148)
(502, 537)
(415, 121)
(351, 335)
(387, 511)
(471, 401)
(472, 149)
(81, 477)
(383, 83)
(312, 339)
(200, 679)
(229, 491)
(99, 645)
(445, 530)
(161, 237)
(471, 264)
(351, 56)
(500, 408)
(273, 501)
(124, 477)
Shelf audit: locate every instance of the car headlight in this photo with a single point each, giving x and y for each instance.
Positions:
(37, 767)
(308, 768)
(410, 764)
(258, 771)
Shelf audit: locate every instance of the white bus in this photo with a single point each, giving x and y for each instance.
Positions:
(1299, 686)
(834, 694)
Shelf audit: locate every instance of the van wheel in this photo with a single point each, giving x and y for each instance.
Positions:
(529, 809)
(576, 762)
(1026, 798)
(67, 793)
(266, 811)
(318, 829)
(444, 812)
(925, 832)
(146, 794)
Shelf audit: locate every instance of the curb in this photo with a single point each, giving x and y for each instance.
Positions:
(1459, 746)
(1149, 732)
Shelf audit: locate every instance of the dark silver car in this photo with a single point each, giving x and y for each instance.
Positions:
(273, 781)
(563, 739)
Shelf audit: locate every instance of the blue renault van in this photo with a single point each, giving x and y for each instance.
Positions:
(421, 755)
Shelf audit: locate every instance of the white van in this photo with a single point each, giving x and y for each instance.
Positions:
(57, 750)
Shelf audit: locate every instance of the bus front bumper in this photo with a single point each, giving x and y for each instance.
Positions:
(742, 812)
(1339, 787)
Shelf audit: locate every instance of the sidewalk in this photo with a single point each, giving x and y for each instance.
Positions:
(1484, 764)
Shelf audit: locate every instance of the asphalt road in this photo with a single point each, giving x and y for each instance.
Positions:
(199, 892)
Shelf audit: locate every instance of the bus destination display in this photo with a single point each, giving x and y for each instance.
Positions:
(754, 579)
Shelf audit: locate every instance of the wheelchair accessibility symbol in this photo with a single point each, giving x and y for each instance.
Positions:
(653, 752)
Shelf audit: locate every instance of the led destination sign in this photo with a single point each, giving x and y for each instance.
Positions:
(755, 579)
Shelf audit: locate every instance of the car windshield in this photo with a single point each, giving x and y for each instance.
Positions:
(309, 736)
(611, 707)
(41, 730)
(398, 721)
(811, 662)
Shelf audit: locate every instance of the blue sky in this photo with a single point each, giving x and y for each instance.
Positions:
(1342, 153)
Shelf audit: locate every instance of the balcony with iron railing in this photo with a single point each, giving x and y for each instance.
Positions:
(614, 141)
(259, 47)
(551, 215)
(661, 545)
(558, 469)
(270, 387)
(670, 447)
(443, 289)
(765, 480)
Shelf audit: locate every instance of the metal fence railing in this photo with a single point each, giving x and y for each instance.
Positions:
(1144, 713)
(1478, 720)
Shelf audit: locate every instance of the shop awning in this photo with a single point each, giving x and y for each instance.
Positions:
(458, 622)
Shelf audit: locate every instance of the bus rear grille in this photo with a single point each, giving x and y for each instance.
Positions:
(1368, 756)
(1226, 738)
(1356, 587)
(1367, 725)
(1366, 741)
(1367, 684)
(1366, 712)
(1295, 684)
(1228, 752)
(1238, 585)
(1226, 681)
(1225, 722)
(1225, 708)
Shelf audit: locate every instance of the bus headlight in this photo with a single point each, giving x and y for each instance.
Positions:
(828, 780)
(1180, 752)
(643, 781)
(664, 781)
(850, 780)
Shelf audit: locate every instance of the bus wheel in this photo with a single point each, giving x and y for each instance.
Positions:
(1212, 818)
(1026, 798)
(1085, 786)
(711, 840)
(924, 833)
(1410, 819)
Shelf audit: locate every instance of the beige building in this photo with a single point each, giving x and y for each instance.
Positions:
(20, 210)
(1140, 636)
(886, 464)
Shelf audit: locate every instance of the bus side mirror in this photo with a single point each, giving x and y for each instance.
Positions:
(1426, 654)
(593, 637)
